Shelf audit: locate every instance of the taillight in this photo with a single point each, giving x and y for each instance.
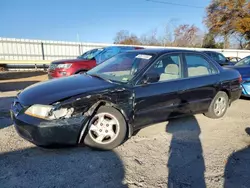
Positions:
(240, 79)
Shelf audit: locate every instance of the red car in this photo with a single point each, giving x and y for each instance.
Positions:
(85, 62)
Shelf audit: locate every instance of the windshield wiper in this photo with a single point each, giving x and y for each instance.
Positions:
(108, 80)
(97, 76)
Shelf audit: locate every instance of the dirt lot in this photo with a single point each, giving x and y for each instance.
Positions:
(189, 152)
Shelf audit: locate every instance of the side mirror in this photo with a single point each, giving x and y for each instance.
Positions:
(150, 78)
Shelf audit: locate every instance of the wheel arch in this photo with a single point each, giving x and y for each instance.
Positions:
(225, 88)
(93, 109)
(80, 70)
(228, 94)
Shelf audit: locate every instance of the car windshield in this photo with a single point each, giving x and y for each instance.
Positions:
(122, 67)
(243, 62)
(90, 54)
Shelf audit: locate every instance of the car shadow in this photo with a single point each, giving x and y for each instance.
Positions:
(5, 119)
(15, 86)
(237, 170)
(20, 74)
(244, 98)
(71, 167)
(186, 165)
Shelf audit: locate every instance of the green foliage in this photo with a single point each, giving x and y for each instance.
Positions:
(209, 41)
(225, 17)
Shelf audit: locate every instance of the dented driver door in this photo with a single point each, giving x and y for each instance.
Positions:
(156, 102)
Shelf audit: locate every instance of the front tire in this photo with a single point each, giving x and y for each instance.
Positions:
(218, 106)
(106, 130)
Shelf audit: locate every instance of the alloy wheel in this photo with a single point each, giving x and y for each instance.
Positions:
(104, 128)
(220, 106)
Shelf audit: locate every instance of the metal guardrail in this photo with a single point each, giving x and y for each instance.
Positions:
(28, 49)
(33, 54)
(24, 64)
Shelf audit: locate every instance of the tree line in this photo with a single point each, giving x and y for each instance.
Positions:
(227, 22)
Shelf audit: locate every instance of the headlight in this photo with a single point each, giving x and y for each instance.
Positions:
(48, 112)
(64, 66)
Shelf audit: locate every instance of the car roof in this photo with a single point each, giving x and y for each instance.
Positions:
(159, 51)
(207, 51)
(124, 47)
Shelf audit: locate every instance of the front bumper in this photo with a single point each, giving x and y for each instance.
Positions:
(44, 133)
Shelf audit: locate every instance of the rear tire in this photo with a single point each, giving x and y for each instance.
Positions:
(218, 106)
(106, 130)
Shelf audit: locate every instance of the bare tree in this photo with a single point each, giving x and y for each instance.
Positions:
(182, 36)
(121, 36)
(238, 41)
(187, 36)
(150, 39)
(168, 36)
(124, 37)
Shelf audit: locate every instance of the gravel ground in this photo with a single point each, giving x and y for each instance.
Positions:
(189, 152)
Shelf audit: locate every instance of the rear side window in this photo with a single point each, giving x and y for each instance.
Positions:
(197, 65)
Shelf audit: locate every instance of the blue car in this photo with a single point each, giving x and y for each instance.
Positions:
(243, 66)
(219, 58)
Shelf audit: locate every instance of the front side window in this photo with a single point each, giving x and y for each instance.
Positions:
(197, 65)
(122, 67)
(218, 57)
(168, 67)
(222, 58)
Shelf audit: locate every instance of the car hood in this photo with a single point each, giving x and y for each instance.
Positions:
(69, 61)
(55, 90)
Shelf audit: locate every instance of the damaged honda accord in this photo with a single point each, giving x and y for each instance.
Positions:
(106, 105)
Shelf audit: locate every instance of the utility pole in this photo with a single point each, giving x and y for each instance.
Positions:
(77, 37)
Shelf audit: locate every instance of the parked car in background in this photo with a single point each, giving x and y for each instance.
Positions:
(243, 66)
(124, 94)
(219, 58)
(234, 59)
(85, 62)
